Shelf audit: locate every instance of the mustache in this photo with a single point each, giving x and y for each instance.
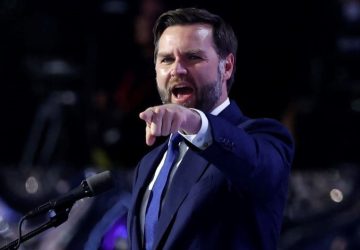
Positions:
(179, 80)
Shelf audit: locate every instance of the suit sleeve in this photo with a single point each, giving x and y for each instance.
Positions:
(255, 156)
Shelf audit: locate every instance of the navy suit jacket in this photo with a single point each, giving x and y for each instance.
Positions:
(228, 196)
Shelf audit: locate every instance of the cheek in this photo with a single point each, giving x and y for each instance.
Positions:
(161, 73)
(205, 73)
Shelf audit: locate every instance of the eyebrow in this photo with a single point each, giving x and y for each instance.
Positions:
(163, 54)
(189, 52)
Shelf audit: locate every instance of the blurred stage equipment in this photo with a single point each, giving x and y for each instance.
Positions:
(323, 209)
(59, 209)
(110, 231)
(37, 175)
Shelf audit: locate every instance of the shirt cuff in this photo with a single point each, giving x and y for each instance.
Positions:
(203, 138)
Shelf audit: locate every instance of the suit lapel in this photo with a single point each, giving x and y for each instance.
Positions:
(182, 182)
(145, 173)
(146, 170)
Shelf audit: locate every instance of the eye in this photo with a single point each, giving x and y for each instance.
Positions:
(194, 57)
(167, 60)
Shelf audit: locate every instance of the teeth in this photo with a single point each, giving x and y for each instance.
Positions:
(176, 91)
(181, 90)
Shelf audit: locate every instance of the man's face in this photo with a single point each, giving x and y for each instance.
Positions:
(188, 69)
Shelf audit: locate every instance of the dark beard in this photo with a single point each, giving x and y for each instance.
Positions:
(207, 95)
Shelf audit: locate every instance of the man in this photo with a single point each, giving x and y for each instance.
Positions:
(228, 187)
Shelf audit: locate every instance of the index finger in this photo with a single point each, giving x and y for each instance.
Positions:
(146, 115)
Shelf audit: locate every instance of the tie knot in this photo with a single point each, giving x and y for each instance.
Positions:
(175, 139)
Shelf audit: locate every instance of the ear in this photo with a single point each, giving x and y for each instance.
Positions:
(229, 66)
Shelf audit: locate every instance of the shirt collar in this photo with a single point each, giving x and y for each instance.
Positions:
(221, 107)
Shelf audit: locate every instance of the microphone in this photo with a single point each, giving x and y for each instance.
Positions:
(92, 186)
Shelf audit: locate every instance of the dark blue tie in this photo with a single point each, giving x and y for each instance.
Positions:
(154, 203)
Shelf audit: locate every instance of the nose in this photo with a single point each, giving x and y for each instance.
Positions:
(178, 68)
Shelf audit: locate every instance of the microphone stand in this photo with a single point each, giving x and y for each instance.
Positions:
(61, 215)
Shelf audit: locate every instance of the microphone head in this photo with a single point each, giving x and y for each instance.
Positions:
(100, 182)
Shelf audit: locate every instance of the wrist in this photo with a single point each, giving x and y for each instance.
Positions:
(193, 123)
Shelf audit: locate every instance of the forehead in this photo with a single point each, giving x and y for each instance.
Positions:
(194, 36)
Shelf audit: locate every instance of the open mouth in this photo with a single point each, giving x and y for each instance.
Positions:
(182, 91)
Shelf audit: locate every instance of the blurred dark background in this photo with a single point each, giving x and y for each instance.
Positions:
(75, 74)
